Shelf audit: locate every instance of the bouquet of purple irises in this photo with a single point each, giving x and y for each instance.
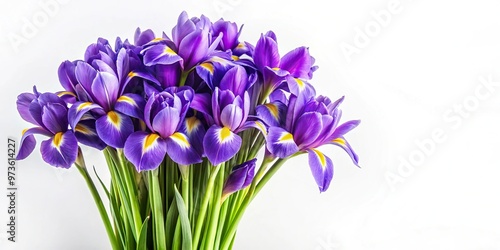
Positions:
(181, 120)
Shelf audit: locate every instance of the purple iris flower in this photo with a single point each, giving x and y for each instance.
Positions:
(241, 176)
(294, 68)
(49, 114)
(169, 131)
(309, 124)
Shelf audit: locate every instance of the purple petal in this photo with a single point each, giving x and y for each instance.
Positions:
(307, 129)
(28, 142)
(266, 53)
(105, 88)
(341, 142)
(86, 134)
(273, 114)
(166, 121)
(85, 75)
(321, 168)
(168, 75)
(241, 176)
(343, 129)
(76, 112)
(23, 103)
(297, 87)
(61, 150)
(131, 105)
(220, 144)
(193, 48)
(195, 131)
(181, 150)
(140, 74)
(298, 62)
(231, 116)
(160, 54)
(236, 80)
(141, 38)
(280, 142)
(183, 28)
(68, 97)
(145, 151)
(67, 78)
(114, 128)
(55, 118)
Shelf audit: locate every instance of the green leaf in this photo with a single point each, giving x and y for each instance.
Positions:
(185, 225)
(156, 207)
(170, 222)
(141, 245)
(102, 183)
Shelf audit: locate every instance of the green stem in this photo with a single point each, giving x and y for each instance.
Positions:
(100, 207)
(214, 218)
(203, 208)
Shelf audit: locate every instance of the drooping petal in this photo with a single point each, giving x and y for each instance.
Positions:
(280, 142)
(114, 128)
(273, 113)
(166, 121)
(241, 176)
(195, 131)
(86, 134)
(341, 142)
(298, 86)
(343, 129)
(61, 150)
(68, 97)
(160, 54)
(321, 168)
(220, 144)
(105, 88)
(138, 74)
(181, 150)
(76, 112)
(307, 129)
(28, 142)
(131, 105)
(146, 151)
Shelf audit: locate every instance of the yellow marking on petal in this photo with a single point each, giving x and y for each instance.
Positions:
(208, 66)
(339, 141)
(169, 51)
(82, 129)
(224, 133)
(191, 124)
(114, 118)
(150, 140)
(240, 46)
(274, 110)
(84, 105)
(321, 157)
(62, 93)
(24, 131)
(157, 39)
(181, 139)
(286, 137)
(131, 74)
(218, 59)
(261, 127)
(127, 99)
(276, 68)
(235, 58)
(300, 83)
(58, 139)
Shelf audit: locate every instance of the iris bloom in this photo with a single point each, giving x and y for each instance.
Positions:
(241, 176)
(164, 117)
(310, 123)
(48, 113)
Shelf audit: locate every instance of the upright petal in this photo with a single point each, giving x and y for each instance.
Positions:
(307, 129)
(55, 118)
(23, 103)
(85, 75)
(193, 48)
(66, 73)
(236, 80)
(231, 116)
(114, 128)
(166, 121)
(220, 144)
(61, 150)
(280, 142)
(298, 62)
(266, 53)
(146, 151)
(181, 150)
(321, 168)
(105, 89)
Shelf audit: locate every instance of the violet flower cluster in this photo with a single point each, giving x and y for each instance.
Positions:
(187, 96)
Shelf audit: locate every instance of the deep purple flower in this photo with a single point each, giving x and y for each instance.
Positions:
(241, 176)
(169, 131)
(310, 123)
(48, 113)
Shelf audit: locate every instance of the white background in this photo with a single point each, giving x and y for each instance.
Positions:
(405, 82)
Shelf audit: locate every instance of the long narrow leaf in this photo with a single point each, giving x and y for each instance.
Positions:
(141, 245)
(185, 225)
